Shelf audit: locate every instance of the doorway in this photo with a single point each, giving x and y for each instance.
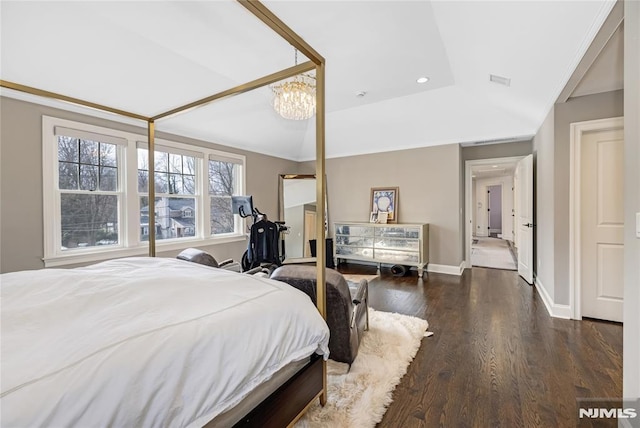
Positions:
(490, 213)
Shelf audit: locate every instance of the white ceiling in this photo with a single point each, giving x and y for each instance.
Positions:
(148, 57)
(480, 172)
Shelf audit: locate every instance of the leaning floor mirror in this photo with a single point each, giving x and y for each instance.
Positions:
(298, 209)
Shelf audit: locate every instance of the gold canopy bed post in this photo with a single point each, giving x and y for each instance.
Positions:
(151, 139)
(316, 62)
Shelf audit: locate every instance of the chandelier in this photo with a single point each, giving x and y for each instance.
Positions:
(295, 98)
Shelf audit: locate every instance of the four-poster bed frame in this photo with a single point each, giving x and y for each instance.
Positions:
(293, 397)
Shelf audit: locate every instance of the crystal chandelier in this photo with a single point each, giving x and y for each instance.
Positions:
(295, 98)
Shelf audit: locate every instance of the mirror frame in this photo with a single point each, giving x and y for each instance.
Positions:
(282, 178)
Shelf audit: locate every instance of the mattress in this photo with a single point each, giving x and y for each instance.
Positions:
(145, 342)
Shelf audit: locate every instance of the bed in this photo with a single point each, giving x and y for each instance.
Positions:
(295, 390)
(149, 342)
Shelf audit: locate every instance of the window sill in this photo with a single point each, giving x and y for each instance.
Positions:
(92, 255)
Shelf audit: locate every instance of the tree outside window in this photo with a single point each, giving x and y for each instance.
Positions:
(88, 182)
(222, 182)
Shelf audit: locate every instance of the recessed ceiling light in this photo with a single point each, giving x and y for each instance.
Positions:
(494, 166)
(423, 79)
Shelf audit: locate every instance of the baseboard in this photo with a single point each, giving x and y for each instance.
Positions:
(446, 269)
(431, 267)
(554, 309)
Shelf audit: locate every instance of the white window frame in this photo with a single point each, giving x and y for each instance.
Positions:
(239, 223)
(129, 242)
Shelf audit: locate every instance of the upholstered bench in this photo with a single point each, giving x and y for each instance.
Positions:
(347, 307)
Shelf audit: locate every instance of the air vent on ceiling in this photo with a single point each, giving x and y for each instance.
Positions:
(500, 80)
(497, 141)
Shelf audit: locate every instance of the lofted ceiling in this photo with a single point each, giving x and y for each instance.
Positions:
(606, 72)
(149, 57)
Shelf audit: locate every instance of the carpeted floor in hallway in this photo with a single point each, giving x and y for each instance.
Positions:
(492, 253)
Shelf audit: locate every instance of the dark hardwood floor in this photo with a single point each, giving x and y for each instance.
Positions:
(496, 357)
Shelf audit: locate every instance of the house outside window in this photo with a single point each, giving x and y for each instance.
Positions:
(176, 192)
(96, 203)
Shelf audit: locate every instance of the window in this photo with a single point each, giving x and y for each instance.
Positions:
(87, 183)
(97, 207)
(223, 183)
(175, 174)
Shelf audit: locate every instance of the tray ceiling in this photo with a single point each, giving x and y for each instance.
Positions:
(149, 57)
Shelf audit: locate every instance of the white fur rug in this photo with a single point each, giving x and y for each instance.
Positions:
(352, 277)
(360, 397)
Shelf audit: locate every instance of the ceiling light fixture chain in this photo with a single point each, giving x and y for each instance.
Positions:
(295, 98)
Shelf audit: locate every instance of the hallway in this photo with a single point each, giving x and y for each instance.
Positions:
(492, 253)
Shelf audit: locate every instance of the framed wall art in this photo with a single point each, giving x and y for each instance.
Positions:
(385, 199)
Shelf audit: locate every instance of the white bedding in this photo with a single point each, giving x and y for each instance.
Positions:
(144, 342)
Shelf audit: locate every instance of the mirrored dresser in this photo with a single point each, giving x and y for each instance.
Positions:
(393, 244)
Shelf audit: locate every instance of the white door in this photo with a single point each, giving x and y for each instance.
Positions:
(602, 224)
(524, 217)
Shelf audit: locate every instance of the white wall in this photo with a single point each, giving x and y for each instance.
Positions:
(480, 223)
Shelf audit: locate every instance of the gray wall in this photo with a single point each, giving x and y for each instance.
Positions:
(495, 204)
(21, 226)
(589, 107)
(551, 148)
(428, 181)
(490, 151)
(631, 356)
(543, 162)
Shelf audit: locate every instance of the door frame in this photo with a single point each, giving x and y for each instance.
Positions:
(576, 131)
(468, 199)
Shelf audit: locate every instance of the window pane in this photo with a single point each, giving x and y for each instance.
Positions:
(162, 161)
(162, 183)
(189, 165)
(108, 154)
(175, 183)
(88, 220)
(143, 181)
(88, 177)
(67, 175)
(108, 179)
(188, 184)
(175, 218)
(67, 149)
(222, 220)
(221, 178)
(89, 152)
(175, 163)
(143, 159)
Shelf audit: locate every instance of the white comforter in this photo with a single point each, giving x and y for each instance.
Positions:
(144, 342)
